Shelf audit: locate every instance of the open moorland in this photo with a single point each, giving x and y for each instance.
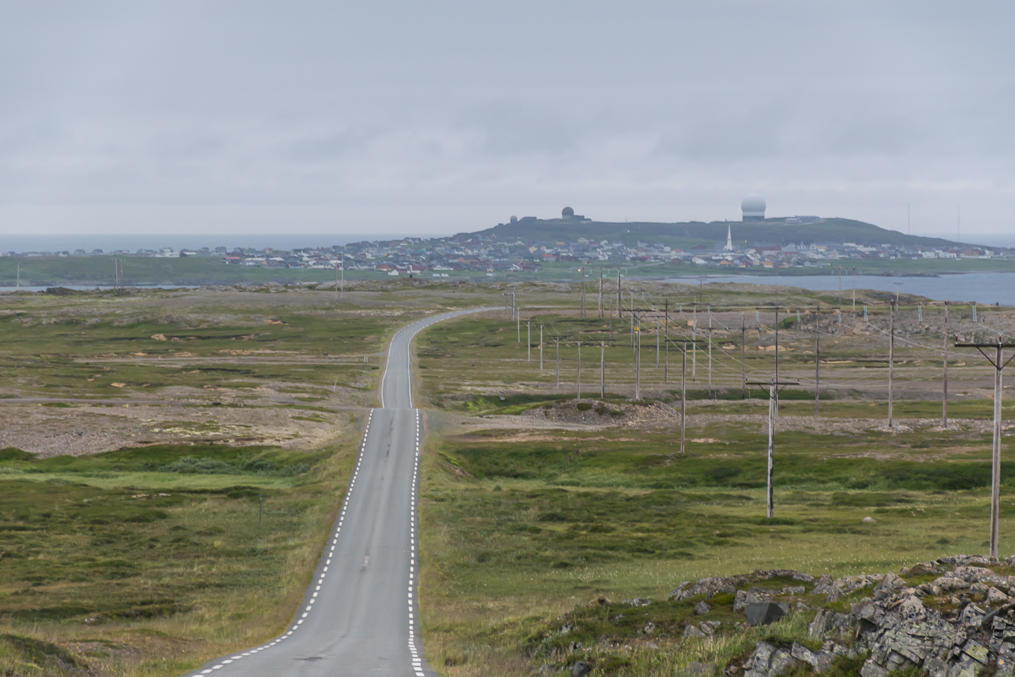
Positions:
(555, 527)
(172, 461)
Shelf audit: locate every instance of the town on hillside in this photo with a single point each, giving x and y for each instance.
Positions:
(566, 239)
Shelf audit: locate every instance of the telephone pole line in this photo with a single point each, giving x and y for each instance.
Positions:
(581, 281)
(817, 364)
(528, 340)
(743, 364)
(620, 308)
(578, 396)
(944, 376)
(683, 397)
(602, 370)
(683, 392)
(694, 342)
(600, 294)
(666, 343)
(637, 362)
(999, 363)
(556, 367)
(891, 362)
(773, 386)
(710, 351)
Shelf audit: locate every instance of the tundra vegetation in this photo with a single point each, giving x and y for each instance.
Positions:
(555, 529)
(171, 464)
(173, 461)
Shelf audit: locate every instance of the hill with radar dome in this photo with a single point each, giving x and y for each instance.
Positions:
(778, 231)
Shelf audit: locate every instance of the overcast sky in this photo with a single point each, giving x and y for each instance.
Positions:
(234, 117)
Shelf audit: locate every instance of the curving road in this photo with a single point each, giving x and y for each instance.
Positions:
(360, 614)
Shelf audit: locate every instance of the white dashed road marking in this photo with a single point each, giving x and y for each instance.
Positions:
(324, 569)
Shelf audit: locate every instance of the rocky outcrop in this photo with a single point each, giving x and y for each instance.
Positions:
(960, 621)
(952, 617)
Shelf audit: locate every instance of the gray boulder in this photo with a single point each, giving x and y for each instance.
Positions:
(763, 613)
(580, 669)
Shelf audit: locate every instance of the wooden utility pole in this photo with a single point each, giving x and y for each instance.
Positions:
(710, 351)
(743, 363)
(556, 364)
(578, 376)
(694, 342)
(540, 349)
(817, 363)
(518, 316)
(683, 397)
(683, 394)
(891, 362)
(666, 342)
(581, 273)
(528, 340)
(602, 370)
(777, 345)
(772, 412)
(620, 309)
(854, 289)
(631, 297)
(600, 294)
(999, 363)
(637, 362)
(944, 375)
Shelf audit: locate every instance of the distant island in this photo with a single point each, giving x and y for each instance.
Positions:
(559, 248)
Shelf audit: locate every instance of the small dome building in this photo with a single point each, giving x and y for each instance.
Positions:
(567, 213)
(753, 208)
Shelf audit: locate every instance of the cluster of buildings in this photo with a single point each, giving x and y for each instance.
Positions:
(499, 250)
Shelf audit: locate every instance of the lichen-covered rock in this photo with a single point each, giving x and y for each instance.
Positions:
(960, 623)
(826, 586)
(768, 574)
(922, 569)
(703, 629)
(828, 623)
(745, 597)
(709, 587)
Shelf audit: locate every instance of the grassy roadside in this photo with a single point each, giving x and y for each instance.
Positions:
(148, 561)
(197, 533)
(516, 534)
(536, 527)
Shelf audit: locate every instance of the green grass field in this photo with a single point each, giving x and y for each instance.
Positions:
(528, 528)
(178, 546)
(148, 560)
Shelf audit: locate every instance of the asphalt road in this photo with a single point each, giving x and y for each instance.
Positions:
(360, 613)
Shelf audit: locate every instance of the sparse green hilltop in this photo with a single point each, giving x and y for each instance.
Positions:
(701, 235)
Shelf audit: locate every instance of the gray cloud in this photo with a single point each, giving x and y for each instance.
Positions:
(451, 115)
